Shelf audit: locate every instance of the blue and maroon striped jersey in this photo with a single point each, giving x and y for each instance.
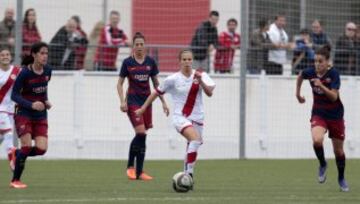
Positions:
(28, 88)
(322, 105)
(138, 76)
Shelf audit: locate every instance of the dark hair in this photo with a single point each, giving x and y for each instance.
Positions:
(214, 13)
(113, 12)
(263, 23)
(321, 22)
(4, 48)
(25, 21)
(77, 19)
(138, 35)
(232, 20)
(305, 31)
(182, 52)
(35, 48)
(324, 51)
(279, 15)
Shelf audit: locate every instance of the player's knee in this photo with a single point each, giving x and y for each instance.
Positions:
(339, 153)
(40, 151)
(317, 143)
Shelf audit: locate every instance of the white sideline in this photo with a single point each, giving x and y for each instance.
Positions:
(80, 200)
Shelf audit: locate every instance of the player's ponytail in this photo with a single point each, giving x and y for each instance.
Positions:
(138, 35)
(324, 51)
(35, 48)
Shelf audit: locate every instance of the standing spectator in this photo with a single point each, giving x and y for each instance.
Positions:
(80, 50)
(204, 41)
(93, 44)
(345, 53)
(304, 54)
(260, 44)
(7, 30)
(63, 44)
(319, 38)
(279, 37)
(228, 42)
(31, 33)
(110, 38)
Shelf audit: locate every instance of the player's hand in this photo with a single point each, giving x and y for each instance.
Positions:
(139, 112)
(300, 98)
(198, 75)
(37, 105)
(166, 110)
(123, 107)
(317, 82)
(48, 105)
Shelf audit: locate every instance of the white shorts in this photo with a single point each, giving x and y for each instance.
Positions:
(181, 123)
(6, 122)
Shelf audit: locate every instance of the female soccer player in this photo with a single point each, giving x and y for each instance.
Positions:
(138, 68)
(186, 87)
(8, 74)
(327, 112)
(30, 94)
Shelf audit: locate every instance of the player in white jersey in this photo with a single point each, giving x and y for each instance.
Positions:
(8, 75)
(185, 88)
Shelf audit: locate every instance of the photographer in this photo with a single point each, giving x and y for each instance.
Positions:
(63, 44)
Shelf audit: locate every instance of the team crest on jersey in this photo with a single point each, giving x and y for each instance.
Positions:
(13, 76)
(148, 68)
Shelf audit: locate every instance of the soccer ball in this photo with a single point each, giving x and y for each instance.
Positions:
(182, 182)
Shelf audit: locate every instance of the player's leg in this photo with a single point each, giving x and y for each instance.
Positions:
(318, 130)
(194, 142)
(6, 135)
(21, 156)
(40, 132)
(337, 135)
(140, 151)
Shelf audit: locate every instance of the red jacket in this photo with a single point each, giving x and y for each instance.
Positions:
(30, 36)
(107, 50)
(224, 53)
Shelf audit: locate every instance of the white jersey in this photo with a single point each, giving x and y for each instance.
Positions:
(7, 105)
(187, 99)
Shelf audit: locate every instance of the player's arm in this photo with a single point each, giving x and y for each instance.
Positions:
(147, 103)
(120, 89)
(332, 94)
(21, 101)
(206, 83)
(299, 82)
(156, 84)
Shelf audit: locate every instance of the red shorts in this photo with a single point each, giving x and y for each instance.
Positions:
(36, 128)
(336, 128)
(145, 119)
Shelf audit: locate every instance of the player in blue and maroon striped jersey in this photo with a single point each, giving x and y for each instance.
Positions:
(327, 112)
(138, 68)
(31, 95)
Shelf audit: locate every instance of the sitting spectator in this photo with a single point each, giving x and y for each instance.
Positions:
(228, 42)
(31, 33)
(304, 54)
(345, 52)
(7, 30)
(80, 50)
(318, 37)
(111, 38)
(63, 44)
(279, 37)
(204, 41)
(93, 43)
(258, 53)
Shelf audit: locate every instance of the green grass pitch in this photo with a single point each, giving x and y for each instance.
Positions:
(216, 181)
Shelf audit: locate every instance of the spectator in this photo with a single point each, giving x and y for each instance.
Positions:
(93, 43)
(228, 42)
(319, 38)
(80, 50)
(63, 44)
(260, 43)
(31, 33)
(279, 37)
(204, 41)
(345, 53)
(7, 30)
(111, 37)
(304, 54)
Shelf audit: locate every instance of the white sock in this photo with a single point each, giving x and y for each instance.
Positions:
(8, 141)
(191, 155)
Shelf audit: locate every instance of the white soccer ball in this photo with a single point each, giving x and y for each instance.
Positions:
(182, 182)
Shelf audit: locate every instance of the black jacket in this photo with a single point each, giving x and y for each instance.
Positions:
(204, 36)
